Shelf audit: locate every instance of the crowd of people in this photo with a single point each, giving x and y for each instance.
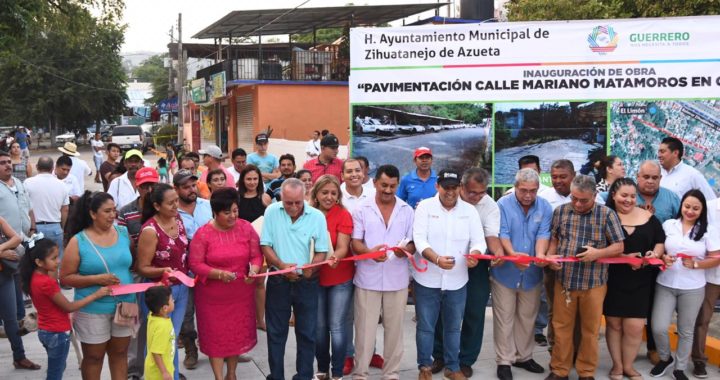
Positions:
(268, 248)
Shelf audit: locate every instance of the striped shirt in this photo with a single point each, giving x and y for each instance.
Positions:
(599, 228)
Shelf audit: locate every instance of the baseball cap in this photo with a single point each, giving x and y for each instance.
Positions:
(330, 140)
(146, 175)
(183, 176)
(213, 151)
(422, 150)
(134, 152)
(261, 138)
(448, 177)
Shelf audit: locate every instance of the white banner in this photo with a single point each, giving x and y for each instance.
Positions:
(540, 61)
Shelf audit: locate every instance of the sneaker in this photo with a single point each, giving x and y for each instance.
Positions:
(504, 372)
(679, 375)
(425, 374)
(530, 366)
(466, 370)
(450, 375)
(320, 376)
(348, 366)
(541, 340)
(700, 372)
(377, 361)
(553, 376)
(437, 366)
(661, 367)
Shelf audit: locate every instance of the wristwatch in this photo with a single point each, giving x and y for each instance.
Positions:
(695, 265)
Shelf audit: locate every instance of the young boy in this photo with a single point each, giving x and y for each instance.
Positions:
(160, 334)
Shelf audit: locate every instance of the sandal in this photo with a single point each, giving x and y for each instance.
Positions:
(26, 364)
(613, 376)
(636, 376)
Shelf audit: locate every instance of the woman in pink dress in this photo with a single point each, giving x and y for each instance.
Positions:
(222, 254)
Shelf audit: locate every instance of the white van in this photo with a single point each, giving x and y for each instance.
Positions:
(128, 136)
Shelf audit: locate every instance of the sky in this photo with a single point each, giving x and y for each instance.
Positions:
(149, 22)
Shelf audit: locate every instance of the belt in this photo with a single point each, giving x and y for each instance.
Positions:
(47, 223)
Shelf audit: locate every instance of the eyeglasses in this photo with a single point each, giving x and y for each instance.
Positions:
(6, 162)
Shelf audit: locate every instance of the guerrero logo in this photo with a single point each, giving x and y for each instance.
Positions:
(603, 39)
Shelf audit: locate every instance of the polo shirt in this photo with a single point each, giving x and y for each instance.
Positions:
(131, 217)
(200, 217)
(122, 191)
(523, 231)
(599, 228)
(489, 213)
(317, 169)
(684, 177)
(15, 206)
(72, 185)
(273, 188)
(665, 202)
(47, 196)
(369, 226)
(80, 170)
(228, 177)
(677, 276)
(413, 189)
(291, 240)
(455, 232)
(266, 163)
(352, 202)
(338, 220)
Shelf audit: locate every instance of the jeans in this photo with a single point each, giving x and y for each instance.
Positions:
(57, 346)
(188, 330)
(541, 321)
(302, 296)
(429, 304)
(473, 324)
(687, 303)
(334, 312)
(53, 232)
(19, 298)
(8, 314)
(179, 294)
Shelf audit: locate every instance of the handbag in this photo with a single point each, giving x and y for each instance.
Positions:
(126, 313)
(10, 266)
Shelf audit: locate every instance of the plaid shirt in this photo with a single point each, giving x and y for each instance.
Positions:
(598, 228)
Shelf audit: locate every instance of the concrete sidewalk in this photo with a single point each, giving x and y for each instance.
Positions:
(257, 369)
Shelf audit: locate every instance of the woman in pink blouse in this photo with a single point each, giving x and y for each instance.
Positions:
(222, 254)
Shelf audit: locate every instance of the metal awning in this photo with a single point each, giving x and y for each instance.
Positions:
(304, 20)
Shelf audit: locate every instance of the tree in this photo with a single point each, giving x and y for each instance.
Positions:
(64, 69)
(153, 70)
(538, 10)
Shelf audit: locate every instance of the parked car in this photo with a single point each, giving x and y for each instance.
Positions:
(148, 142)
(411, 128)
(65, 137)
(434, 128)
(105, 132)
(128, 136)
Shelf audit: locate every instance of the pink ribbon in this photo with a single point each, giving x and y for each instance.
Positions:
(119, 290)
(522, 259)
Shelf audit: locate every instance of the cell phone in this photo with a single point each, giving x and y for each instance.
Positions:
(451, 258)
(581, 250)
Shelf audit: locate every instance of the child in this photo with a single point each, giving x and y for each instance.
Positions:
(38, 269)
(160, 334)
(162, 170)
(171, 158)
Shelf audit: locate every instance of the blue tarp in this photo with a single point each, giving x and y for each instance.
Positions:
(168, 105)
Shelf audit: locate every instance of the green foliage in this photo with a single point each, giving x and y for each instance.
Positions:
(322, 36)
(152, 70)
(63, 67)
(538, 10)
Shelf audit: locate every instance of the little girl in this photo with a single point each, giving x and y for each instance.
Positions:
(38, 272)
(162, 169)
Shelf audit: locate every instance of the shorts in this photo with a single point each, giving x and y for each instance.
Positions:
(98, 328)
(98, 162)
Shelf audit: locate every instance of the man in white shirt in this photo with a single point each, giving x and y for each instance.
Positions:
(98, 147)
(474, 191)
(678, 176)
(712, 294)
(80, 168)
(123, 188)
(63, 166)
(353, 191)
(49, 200)
(444, 231)
(238, 159)
(313, 146)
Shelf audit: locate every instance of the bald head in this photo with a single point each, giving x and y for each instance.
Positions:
(45, 164)
(648, 178)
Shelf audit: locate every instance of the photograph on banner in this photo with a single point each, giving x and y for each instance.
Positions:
(575, 131)
(458, 135)
(638, 127)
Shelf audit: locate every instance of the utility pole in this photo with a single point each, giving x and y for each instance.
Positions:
(181, 80)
